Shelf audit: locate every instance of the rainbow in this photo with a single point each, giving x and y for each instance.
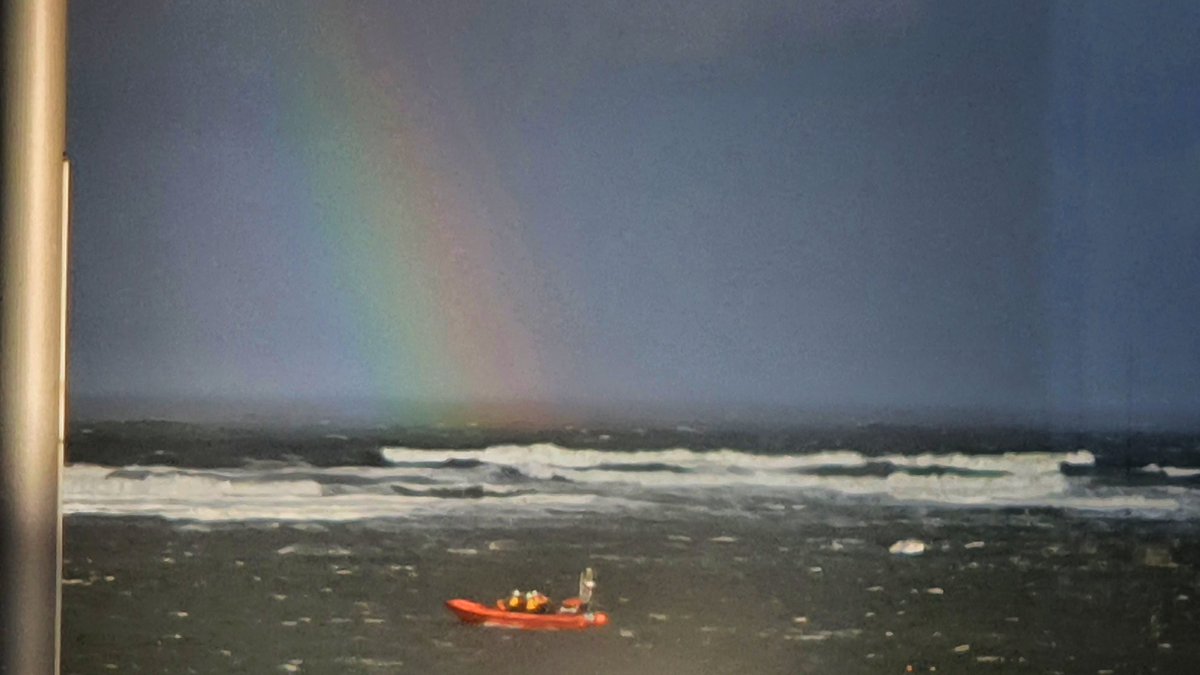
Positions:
(425, 252)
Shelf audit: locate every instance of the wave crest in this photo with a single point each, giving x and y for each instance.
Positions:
(511, 480)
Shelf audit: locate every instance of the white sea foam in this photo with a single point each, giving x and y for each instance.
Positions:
(1008, 479)
(510, 480)
(234, 495)
(540, 457)
(1011, 478)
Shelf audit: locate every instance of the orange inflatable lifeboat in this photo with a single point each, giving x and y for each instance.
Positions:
(473, 612)
(572, 614)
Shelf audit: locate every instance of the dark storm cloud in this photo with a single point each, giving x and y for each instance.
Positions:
(816, 205)
(854, 224)
(1122, 255)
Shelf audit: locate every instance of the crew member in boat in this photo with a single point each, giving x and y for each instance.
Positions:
(515, 602)
(536, 603)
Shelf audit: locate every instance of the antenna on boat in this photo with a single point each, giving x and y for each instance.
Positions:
(587, 582)
(33, 258)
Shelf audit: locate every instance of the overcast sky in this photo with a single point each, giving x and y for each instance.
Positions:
(833, 205)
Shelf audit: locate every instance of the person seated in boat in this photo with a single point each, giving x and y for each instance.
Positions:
(515, 602)
(536, 603)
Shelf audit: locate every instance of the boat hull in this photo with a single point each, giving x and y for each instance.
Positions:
(475, 613)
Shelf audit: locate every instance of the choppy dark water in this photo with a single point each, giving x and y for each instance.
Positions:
(213, 551)
(811, 591)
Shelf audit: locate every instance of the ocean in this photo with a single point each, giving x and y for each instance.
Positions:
(327, 550)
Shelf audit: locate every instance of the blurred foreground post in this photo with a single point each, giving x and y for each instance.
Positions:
(32, 331)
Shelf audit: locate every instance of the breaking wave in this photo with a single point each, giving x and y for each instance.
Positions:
(514, 480)
(297, 494)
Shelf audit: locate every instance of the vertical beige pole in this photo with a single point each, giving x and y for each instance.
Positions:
(32, 332)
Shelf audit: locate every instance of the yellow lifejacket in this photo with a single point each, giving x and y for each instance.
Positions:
(537, 603)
